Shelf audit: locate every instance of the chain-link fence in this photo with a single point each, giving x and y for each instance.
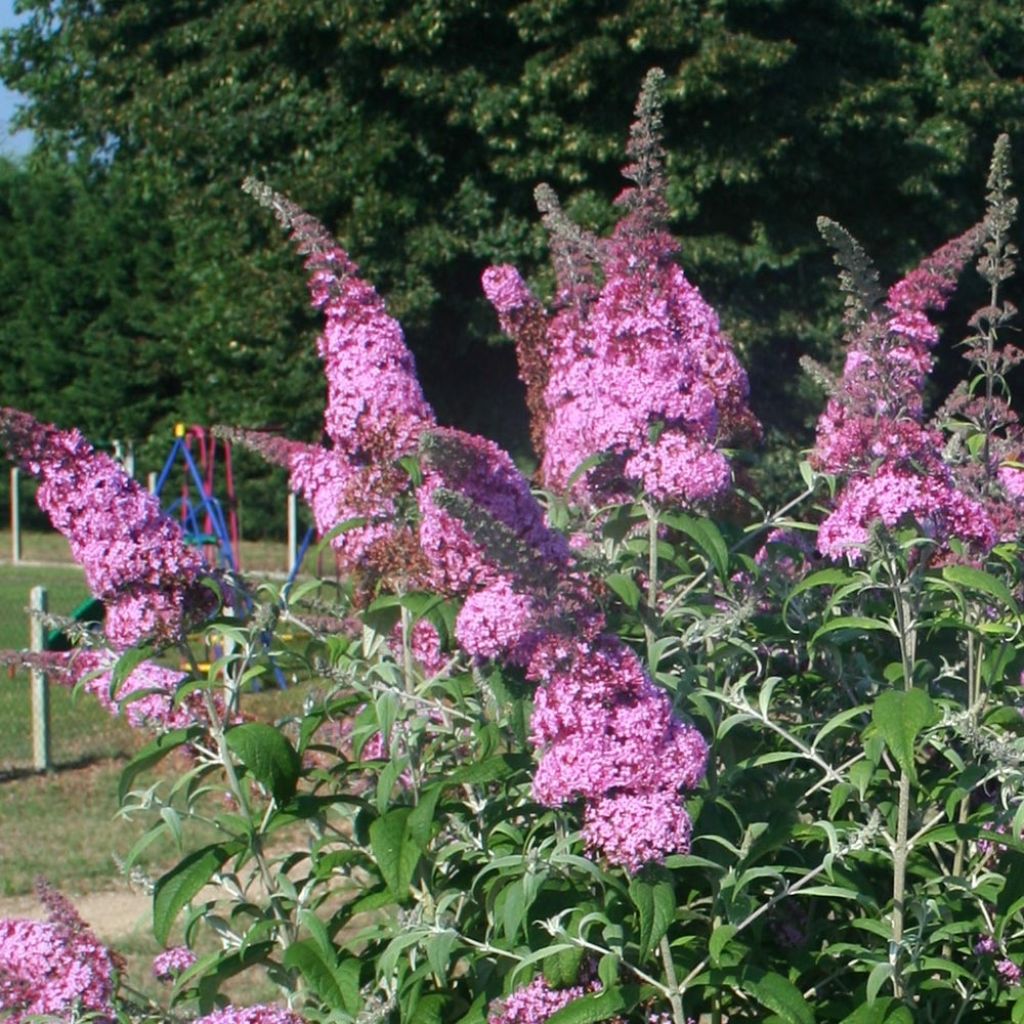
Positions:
(80, 729)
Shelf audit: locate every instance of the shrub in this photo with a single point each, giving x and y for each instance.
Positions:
(633, 747)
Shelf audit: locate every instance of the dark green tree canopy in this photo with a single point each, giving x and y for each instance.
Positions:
(418, 130)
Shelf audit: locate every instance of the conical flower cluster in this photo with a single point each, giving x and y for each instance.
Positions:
(631, 366)
(135, 558)
(872, 432)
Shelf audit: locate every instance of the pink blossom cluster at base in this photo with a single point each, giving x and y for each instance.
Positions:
(607, 734)
(54, 967)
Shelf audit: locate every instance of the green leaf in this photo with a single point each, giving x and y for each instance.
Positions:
(422, 816)
(126, 665)
(822, 578)
(860, 775)
(318, 971)
(779, 995)
(879, 975)
(490, 770)
(656, 905)
(591, 1008)
(899, 716)
(395, 850)
(428, 1010)
(513, 908)
(974, 579)
(838, 798)
(372, 901)
(174, 889)
(625, 588)
(851, 623)
(562, 968)
(268, 755)
(317, 933)
(837, 722)
(707, 537)
(872, 1013)
(152, 754)
(439, 946)
(719, 940)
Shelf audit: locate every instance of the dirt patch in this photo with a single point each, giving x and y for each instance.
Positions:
(112, 915)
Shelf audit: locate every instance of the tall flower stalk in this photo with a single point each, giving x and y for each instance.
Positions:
(135, 558)
(872, 432)
(631, 365)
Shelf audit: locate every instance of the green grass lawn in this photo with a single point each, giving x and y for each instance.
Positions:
(256, 555)
(64, 824)
(81, 729)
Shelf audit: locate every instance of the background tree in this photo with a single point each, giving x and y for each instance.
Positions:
(418, 131)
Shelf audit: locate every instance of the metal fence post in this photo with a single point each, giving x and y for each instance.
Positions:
(15, 518)
(40, 684)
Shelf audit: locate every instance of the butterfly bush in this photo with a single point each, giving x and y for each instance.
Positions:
(258, 1014)
(534, 1003)
(54, 967)
(428, 882)
(872, 431)
(631, 364)
(482, 538)
(375, 411)
(135, 558)
(146, 697)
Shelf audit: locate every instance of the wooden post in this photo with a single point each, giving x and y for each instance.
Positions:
(293, 529)
(40, 684)
(15, 518)
(151, 483)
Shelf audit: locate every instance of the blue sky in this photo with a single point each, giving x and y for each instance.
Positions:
(12, 145)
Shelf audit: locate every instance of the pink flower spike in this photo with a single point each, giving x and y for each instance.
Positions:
(261, 1013)
(637, 370)
(135, 558)
(872, 431)
(53, 967)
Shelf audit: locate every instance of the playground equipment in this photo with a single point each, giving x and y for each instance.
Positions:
(203, 520)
